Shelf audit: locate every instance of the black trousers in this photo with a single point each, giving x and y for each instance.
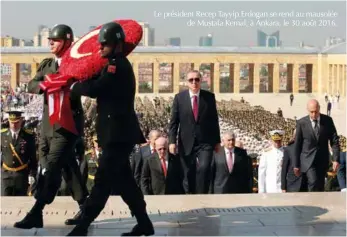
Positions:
(197, 169)
(315, 177)
(75, 179)
(14, 183)
(55, 156)
(114, 174)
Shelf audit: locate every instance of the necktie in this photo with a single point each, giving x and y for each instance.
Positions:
(230, 160)
(14, 137)
(316, 128)
(195, 107)
(56, 65)
(163, 165)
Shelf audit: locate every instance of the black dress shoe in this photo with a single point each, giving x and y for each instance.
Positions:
(79, 230)
(31, 220)
(140, 230)
(75, 220)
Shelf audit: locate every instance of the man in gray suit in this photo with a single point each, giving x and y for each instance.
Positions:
(313, 133)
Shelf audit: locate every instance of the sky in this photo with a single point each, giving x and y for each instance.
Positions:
(21, 19)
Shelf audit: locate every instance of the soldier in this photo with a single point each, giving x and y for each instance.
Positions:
(270, 165)
(18, 157)
(56, 144)
(118, 130)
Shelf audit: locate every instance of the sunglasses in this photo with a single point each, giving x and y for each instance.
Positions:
(194, 79)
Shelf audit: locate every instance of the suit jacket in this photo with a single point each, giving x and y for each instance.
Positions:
(114, 91)
(289, 181)
(204, 130)
(138, 160)
(239, 180)
(310, 150)
(49, 66)
(24, 147)
(153, 181)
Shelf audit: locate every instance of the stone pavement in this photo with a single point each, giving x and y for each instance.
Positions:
(322, 214)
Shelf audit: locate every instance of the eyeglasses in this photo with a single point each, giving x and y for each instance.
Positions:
(197, 80)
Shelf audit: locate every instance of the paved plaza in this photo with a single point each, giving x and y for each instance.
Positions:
(311, 214)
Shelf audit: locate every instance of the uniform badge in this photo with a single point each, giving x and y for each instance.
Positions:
(111, 68)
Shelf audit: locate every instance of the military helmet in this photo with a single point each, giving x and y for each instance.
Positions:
(62, 32)
(111, 33)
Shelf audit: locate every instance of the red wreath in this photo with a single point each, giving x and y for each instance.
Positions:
(82, 61)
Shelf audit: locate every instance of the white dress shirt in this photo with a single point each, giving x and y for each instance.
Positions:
(58, 60)
(318, 121)
(191, 95)
(16, 133)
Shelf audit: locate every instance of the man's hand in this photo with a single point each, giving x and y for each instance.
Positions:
(217, 148)
(172, 149)
(297, 172)
(31, 180)
(335, 165)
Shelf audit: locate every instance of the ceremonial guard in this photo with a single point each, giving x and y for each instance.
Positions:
(18, 157)
(270, 165)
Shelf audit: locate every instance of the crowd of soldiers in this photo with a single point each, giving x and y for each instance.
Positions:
(251, 125)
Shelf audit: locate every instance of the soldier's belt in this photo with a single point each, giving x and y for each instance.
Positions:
(16, 154)
(22, 167)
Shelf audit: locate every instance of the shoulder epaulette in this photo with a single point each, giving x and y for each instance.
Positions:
(28, 131)
(4, 130)
(44, 62)
(88, 152)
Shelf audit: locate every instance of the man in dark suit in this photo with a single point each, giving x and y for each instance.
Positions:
(194, 112)
(162, 173)
(18, 158)
(143, 153)
(231, 169)
(56, 144)
(290, 182)
(311, 158)
(118, 130)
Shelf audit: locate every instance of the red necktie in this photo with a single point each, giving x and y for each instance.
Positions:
(163, 166)
(195, 107)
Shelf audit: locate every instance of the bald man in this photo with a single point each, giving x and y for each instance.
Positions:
(162, 172)
(313, 134)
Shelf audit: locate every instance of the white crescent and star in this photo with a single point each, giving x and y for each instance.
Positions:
(74, 50)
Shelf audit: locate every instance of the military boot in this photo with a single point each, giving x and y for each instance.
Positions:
(31, 220)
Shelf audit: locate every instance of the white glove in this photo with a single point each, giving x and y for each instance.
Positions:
(31, 180)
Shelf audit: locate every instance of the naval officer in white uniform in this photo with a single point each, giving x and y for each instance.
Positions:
(270, 165)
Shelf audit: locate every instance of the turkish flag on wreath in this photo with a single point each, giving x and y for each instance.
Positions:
(82, 61)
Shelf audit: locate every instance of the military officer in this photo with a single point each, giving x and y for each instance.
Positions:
(56, 144)
(118, 130)
(92, 156)
(270, 165)
(18, 157)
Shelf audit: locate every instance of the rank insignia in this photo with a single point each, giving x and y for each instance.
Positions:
(111, 68)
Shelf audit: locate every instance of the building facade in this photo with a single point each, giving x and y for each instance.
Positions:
(162, 70)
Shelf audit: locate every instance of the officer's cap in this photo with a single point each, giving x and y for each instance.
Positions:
(277, 135)
(14, 116)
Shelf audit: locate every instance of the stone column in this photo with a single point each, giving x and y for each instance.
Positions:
(34, 67)
(176, 77)
(276, 78)
(290, 78)
(136, 73)
(344, 80)
(237, 78)
(333, 78)
(215, 77)
(338, 79)
(296, 78)
(256, 84)
(315, 78)
(15, 75)
(155, 76)
(196, 65)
